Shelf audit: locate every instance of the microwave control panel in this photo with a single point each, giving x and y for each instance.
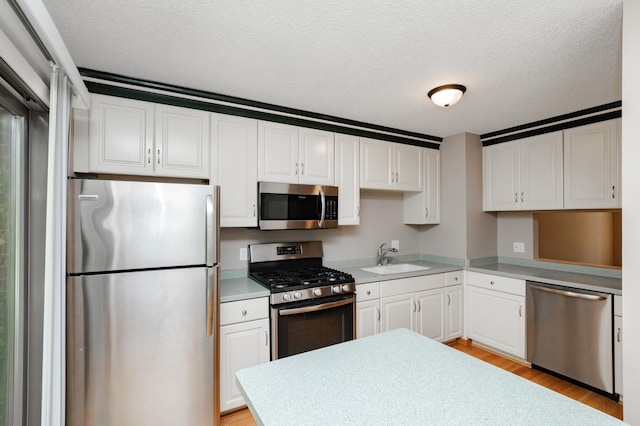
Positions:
(331, 212)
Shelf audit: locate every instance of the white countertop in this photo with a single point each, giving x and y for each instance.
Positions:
(241, 289)
(401, 378)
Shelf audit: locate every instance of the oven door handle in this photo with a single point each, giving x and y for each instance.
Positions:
(315, 308)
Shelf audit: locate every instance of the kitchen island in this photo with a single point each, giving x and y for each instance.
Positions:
(400, 377)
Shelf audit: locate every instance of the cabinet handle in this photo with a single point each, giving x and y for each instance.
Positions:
(516, 197)
(368, 292)
(426, 212)
(520, 310)
(358, 210)
(455, 278)
(301, 169)
(448, 299)
(419, 306)
(266, 338)
(148, 155)
(491, 282)
(613, 191)
(254, 210)
(618, 335)
(377, 314)
(522, 197)
(413, 306)
(244, 312)
(296, 168)
(158, 159)
(397, 177)
(393, 177)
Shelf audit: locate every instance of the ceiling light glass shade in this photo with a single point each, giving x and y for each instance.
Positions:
(447, 95)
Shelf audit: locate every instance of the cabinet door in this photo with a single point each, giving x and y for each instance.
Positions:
(424, 207)
(376, 164)
(317, 157)
(368, 318)
(120, 136)
(500, 174)
(397, 312)
(348, 179)
(181, 142)
(235, 146)
(431, 314)
(408, 167)
(496, 319)
(617, 354)
(592, 166)
(242, 345)
(541, 172)
(277, 152)
(454, 312)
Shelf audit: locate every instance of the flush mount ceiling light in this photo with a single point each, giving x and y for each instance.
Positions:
(446, 95)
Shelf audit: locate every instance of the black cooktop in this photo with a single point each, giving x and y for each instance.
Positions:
(285, 280)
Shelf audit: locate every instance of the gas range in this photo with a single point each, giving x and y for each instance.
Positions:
(294, 272)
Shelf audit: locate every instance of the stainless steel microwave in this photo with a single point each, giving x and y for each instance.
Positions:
(294, 206)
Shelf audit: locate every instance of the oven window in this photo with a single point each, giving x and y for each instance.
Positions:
(289, 207)
(312, 330)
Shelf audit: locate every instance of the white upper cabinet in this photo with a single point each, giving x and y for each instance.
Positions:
(181, 142)
(234, 150)
(424, 207)
(387, 165)
(592, 166)
(139, 138)
(290, 154)
(524, 175)
(121, 136)
(348, 179)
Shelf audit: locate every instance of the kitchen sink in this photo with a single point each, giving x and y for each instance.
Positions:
(395, 269)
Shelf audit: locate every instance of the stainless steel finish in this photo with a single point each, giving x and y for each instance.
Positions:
(213, 285)
(588, 296)
(312, 293)
(135, 225)
(269, 252)
(127, 363)
(323, 203)
(382, 253)
(297, 189)
(314, 308)
(570, 332)
(212, 235)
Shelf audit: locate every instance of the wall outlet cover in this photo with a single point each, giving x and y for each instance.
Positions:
(243, 253)
(518, 247)
(395, 244)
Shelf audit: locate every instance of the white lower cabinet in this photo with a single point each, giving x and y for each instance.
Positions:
(617, 344)
(244, 342)
(495, 312)
(454, 305)
(367, 309)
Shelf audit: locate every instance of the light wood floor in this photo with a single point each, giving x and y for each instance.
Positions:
(599, 402)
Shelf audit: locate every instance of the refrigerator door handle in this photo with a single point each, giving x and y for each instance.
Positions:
(212, 299)
(213, 226)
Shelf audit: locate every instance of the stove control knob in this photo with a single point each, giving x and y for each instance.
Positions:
(286, 297)
(317, 292)
(336, 289)
(345, 288)
(297, 295)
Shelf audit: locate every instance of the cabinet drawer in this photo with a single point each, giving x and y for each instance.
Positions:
(453, 278)
(367, 291)
(496, 282)
(411, 285)
(244, 310)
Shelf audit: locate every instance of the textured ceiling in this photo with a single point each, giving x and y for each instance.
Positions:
(372, 61)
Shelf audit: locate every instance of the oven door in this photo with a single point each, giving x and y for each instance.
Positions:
(312, 324)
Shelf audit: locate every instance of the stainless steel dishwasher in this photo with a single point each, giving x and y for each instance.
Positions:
(569, 331)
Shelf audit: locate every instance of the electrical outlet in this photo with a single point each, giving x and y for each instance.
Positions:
(395, 244)
(518, 247)
(243, 253)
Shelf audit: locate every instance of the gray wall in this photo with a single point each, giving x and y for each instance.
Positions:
(381, 217)
(465, 231)
(515, 227)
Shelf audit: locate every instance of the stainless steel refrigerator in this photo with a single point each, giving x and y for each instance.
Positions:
(142, 303)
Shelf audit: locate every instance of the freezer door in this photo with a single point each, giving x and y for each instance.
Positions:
(119, 225)
(138, 351)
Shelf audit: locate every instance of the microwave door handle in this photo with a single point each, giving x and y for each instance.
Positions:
(323, 203)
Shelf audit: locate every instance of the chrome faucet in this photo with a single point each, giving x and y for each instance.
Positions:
(382, 253)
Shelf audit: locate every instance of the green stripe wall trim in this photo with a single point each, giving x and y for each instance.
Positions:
(336, 124)
(555, 127)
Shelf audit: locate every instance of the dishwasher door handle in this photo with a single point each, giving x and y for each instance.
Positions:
(569, 293)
